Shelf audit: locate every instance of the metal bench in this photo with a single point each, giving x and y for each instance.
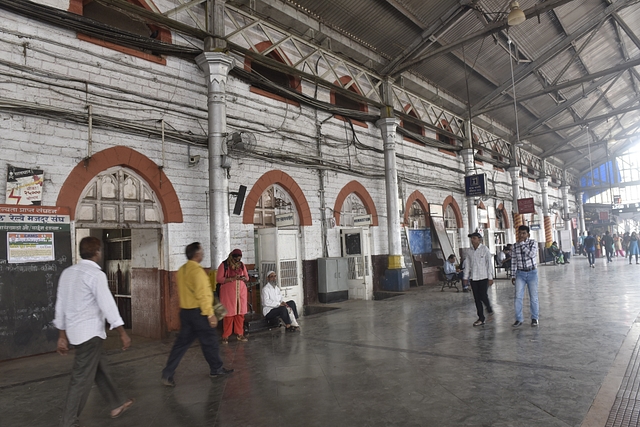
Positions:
(448, 283)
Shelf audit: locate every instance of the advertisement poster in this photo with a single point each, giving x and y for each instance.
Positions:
(29, 247)
(24, 186)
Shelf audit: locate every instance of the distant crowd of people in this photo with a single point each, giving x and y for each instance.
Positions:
(598, 246)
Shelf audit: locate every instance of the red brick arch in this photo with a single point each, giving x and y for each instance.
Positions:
(505, 217)
(363, 194)
(285, 181)
(419, 197)
(456, 210)
(86, 170)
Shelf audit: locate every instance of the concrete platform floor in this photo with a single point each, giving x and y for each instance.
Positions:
(411, 360)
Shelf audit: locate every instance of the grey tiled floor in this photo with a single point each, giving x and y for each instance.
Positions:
(412, 360)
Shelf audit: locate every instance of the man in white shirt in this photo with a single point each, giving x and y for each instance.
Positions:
(273, 305)
(82, 306)
(478, 270)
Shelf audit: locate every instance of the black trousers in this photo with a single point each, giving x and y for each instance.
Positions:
(89, 366)
(283, 313)
(480, 296)
(194, 325)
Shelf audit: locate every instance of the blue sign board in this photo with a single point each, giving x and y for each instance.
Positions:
(474, 185)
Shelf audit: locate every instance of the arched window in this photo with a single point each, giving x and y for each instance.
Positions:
(118, 196)
(278, 77)
(351, 208)
(417, 216)
(343, 101)
(122, 21)
(410, 126)
(444, 124)
(274, 201)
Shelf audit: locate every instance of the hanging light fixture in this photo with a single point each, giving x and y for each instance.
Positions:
(516, 15)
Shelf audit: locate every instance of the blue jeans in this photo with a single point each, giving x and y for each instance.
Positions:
(529, 279)
(591, 255)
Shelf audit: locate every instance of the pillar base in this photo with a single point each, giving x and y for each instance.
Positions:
(396, 280)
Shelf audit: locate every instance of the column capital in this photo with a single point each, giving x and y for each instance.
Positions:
(543, 180)
(388, 124)
(468, 156)
(215, 63)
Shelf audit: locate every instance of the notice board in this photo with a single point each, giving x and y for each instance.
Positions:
(420, 241)
(35, 247)
(441, 232)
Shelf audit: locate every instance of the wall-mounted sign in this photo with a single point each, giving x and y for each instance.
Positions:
(29, 247)
(362, 220)
(534, 227)
(628, 208)
(34, 218)
(526, 206)
(483, 217)
(436, 210)
(283, 220)
(474, 185)
(24, 186)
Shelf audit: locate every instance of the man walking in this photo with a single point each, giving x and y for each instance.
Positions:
(524, 273)
(478, 270)
(590, 248)
(607, 241)
(197, 319)
(83, 304)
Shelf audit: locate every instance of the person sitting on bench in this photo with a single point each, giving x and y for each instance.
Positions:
(453, 273)
(274, 306)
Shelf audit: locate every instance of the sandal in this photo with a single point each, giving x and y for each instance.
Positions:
(225, 340)
(290, 329)
(242, 338)
(120, 409)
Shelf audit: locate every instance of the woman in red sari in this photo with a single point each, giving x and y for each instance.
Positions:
(232, 276)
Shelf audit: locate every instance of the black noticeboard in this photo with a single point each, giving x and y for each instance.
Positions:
(28, 289)
(406, 254)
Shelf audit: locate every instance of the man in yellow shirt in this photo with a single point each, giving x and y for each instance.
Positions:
(197, 319)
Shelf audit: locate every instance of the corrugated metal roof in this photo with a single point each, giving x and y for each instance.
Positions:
(392, 25)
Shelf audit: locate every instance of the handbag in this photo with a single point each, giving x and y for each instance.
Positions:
(219, 310)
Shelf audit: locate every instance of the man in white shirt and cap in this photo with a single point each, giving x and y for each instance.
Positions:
(274, 306)
(478, 270)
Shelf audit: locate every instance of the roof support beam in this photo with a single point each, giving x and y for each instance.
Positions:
(479, 35)
(183, 6)
(549, 89)
(558, 109)
(406, 13)
(525, 70)
(615, 112)
(448, 19)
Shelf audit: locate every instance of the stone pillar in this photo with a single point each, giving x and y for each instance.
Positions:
(396, 275)
(515, 186)
(548, 232)
(216, 67)
(565, 207)
(388, 129)
(472, 208)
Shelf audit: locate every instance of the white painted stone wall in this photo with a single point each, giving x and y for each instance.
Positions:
(52, 69)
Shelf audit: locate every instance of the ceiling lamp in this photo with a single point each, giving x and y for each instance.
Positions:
(516, 16)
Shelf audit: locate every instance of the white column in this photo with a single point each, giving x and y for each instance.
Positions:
(388, 129)
(565, 207)
(472, 208)
(515, 189)
(216, 67)
(583, 226)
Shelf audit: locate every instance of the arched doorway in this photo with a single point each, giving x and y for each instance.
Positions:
(120, 208)
(354, 213)
(276, 223)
